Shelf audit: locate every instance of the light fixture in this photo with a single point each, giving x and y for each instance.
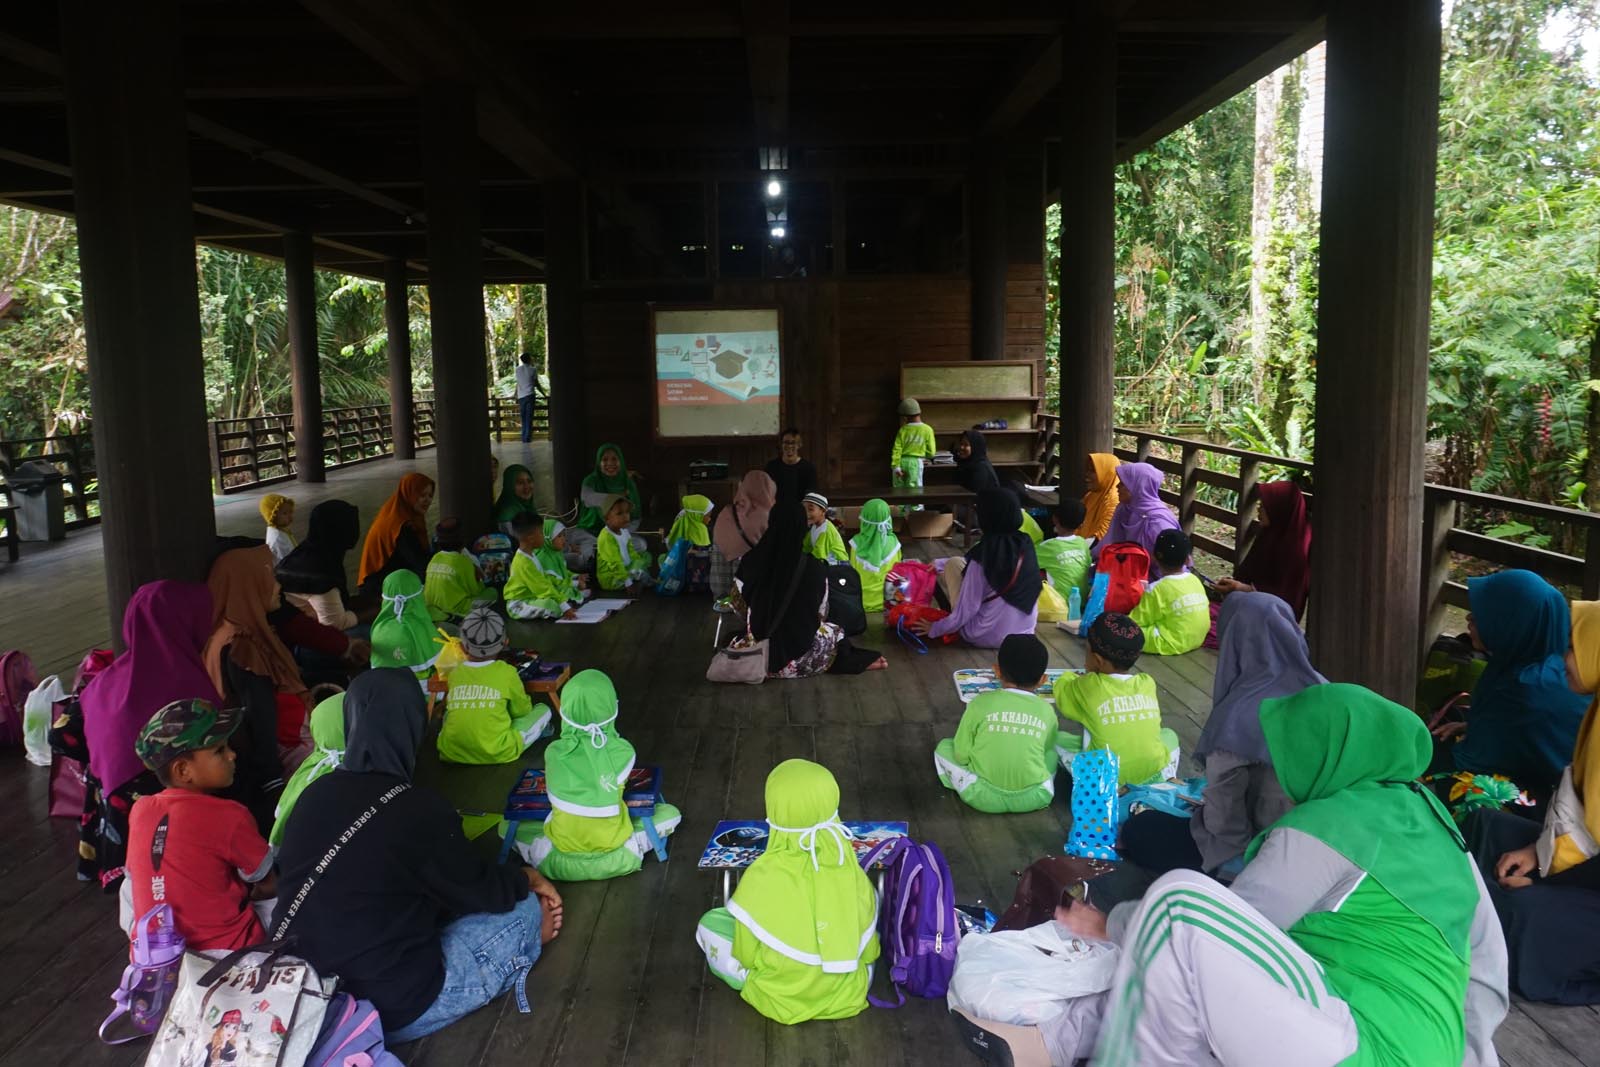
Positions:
(778, 231)
(774, 188)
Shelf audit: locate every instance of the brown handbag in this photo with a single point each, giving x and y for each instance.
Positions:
(1040, 889)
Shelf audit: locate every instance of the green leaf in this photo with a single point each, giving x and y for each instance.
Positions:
(1197, 359)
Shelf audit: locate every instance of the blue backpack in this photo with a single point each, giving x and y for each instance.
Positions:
(352, 1036)
(917, 926)
(674, 573)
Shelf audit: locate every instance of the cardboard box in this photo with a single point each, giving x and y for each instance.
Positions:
(848, 517)
(930, 524)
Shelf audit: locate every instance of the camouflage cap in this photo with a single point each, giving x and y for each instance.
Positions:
(183, 726)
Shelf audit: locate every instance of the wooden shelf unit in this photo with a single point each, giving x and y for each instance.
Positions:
(956, 396)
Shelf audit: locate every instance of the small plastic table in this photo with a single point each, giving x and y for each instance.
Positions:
(736, 843)
(529, 802)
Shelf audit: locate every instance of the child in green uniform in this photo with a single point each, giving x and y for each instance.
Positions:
(403, 634)
(552, 559)
(489, 717)
(823, 537)
(798, 936)
(1174, 613)
(454, 585)
(1065, 557)
(1117, 710)
(912, 445)
(327, 734)
(874, 552)
(1003, 757)
(1030, 526)
(531, 591)
(619, 564)
(590, 834)
(690, 525)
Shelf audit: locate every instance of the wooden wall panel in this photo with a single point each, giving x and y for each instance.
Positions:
(1025, 289)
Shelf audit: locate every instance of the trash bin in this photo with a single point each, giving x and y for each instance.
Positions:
(41, 504)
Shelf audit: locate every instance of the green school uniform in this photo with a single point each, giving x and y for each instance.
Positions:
(826, 544)
(1030, 526)
(1174, 614)
(1119, 712)
(690, 525)
(488, 715)
(616, 563)
(1003, 756)
(874, 552)
(550, 560)
(531, 593)
(403, 634)
(327, 733)
(1067, 563)
(914, 441)
(452, 586)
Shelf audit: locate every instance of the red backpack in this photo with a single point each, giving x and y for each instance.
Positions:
(1127, 566)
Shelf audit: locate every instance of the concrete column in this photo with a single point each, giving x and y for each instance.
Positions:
(397, 323)
(305, 362)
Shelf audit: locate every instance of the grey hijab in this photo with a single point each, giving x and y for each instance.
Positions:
(1261, 654)
(384, 714)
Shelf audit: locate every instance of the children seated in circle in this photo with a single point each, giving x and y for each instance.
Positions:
(535, 589)
(1003, 757)
(403, 634)
(454, 582)
(823, 536)
(874, 552)
(489, 717)
(1065, 558)
(620, 560)
(1116, 708)
(590, 834)
(798, 937)
(1174, 613)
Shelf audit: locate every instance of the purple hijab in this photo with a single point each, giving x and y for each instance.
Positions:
(165, 627)
(1140, 516)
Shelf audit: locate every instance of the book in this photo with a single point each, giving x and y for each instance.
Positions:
(970, 681)
(529, 800)
(736, 843)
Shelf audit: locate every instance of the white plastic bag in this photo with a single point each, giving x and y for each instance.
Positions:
(36, 715)
(1026, 977)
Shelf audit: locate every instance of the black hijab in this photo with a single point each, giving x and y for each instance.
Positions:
(976, 472)
(768, 570)
(384, 714)
(316, 564)
(1006, 553)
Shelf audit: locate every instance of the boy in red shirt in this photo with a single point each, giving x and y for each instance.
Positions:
(199, 853)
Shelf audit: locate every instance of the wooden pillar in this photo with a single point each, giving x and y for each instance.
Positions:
(141, 307)
(1088, 235)
(397, 322)
(305, 362)
(455, 285)
(1372, 324)
(564, 273)
(987, 197)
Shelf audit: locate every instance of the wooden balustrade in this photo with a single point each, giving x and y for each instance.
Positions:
(73, 455)
(505, 418)
(259, 450)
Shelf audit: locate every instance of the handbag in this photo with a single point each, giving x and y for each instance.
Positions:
(745, 659)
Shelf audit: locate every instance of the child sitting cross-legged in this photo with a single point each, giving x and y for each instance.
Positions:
(1003, 757)
(552, 559)
(590, 834)
(489, 717)
(618, 562)
(1065, 558)
(1117, 708)
(532, 592)
(403, 634)
(874, 552)
(454, 584)
(188, 848)
(823, 536)
(1174, 613)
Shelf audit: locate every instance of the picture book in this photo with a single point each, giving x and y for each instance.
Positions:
(735, 843)
(970, 681)
(530, 797)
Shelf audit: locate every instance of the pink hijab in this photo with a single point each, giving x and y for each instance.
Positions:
(165, 627)
(751, 504)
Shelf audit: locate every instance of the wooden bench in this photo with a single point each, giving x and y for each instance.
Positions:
(895, 495)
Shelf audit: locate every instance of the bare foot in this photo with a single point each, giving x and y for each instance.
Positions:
(550, 926)
(879, 664)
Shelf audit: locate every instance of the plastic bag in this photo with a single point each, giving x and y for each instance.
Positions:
(674, 572)
(1052, 607)
(36, 715)
(453, 655)
(1026, 977)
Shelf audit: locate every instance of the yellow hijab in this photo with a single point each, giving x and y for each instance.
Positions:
(1100, 500)
(1586, 754)
(271, 505)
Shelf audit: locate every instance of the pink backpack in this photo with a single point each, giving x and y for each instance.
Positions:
(17, 680)
(910, 582)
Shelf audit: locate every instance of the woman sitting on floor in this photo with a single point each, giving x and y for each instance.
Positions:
(1279, 559)
(797, 939)
(516, 498)
(610, 477)
(994, 591)
(1141, 514)
(398, 537)
(591, 834)
(1545, 880)
(314, 575)
(1358, 933)
(738, 528)
(1100, 496)
(1262, 654)
(786, 590)
(378, 885)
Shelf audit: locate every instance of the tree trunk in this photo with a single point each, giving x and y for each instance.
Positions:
(1591, 465)
(1261, 226)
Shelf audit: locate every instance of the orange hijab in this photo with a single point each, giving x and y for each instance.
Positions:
(1100, 499)
(398, 512)
(243, 590)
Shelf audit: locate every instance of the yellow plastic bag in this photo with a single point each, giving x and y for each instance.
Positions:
(454, 654)
(1052, 608)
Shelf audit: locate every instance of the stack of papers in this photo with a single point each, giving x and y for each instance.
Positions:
(596, 610)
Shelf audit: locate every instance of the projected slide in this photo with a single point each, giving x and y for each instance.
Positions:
(718, 372)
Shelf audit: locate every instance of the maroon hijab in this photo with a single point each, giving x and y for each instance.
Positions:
(1280, 560)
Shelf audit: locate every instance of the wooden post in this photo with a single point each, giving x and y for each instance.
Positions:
(450, 152)
(987, 193)
(305, 363)
(564, 227)
(1245, 508)
(397, 324)
(1438, 519)
(1372, 323)
(135, 223)
(1188, 488)
(1088, 233)
(1142, 447)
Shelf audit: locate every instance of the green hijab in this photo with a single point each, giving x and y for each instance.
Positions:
(623, 485)
(547, 557)
(403, 632)
(327, 733)
(876, 542)
(691, 522)
(587, 766)
(806, 896)
(508, 505)
(1349, 759)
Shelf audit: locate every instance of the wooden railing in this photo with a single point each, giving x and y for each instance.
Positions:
(505, 418)
(73, 455)
(259, 450)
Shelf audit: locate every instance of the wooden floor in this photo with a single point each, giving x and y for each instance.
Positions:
(625, 982)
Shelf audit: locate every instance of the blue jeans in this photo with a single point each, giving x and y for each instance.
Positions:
(526, 404)
(484, 956)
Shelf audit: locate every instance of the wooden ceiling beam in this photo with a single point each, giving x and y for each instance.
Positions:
(1039, 74)
(766, 46)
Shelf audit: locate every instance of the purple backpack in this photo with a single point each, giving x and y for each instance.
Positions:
(17, 680)
(916, 918)
(352, 1036)
(150, 978)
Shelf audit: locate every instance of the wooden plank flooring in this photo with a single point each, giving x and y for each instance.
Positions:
(625, 982)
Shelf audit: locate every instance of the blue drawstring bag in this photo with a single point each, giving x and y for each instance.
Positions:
(674, 572)
(1097, 602)
(1172, 798)
(1094, 805)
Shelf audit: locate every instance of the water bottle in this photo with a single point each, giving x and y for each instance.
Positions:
(1075, 605)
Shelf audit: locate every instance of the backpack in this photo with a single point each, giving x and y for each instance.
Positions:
(150, 978)
(352, 1036)
(910, 581)
(844, 599)
(674, 569)
(917, 925)
(494, 552)
(1127, 568)
(17, 680)
(1452, 668)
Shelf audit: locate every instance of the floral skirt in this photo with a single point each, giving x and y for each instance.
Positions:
(816, 659)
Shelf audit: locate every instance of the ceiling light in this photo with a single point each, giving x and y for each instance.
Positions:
(774, 188)
(778, 231)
